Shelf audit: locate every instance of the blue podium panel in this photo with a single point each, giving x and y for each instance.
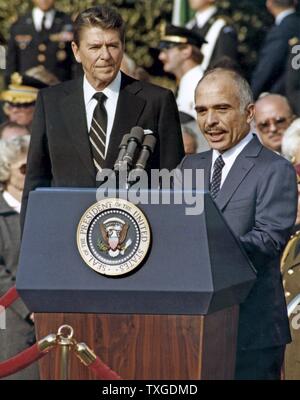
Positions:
(195, 264)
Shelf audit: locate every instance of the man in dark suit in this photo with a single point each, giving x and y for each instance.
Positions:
(41, 37)
(221, 37)
(75, 134)
(270, 72)
(257, 193)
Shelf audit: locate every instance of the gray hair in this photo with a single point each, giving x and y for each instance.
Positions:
(244, 90)
(10, 151)
(291, 140)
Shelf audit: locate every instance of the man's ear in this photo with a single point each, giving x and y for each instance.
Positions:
(76, 52)
(250, 112)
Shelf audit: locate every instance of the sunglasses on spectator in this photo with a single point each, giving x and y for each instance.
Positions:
(280, 122)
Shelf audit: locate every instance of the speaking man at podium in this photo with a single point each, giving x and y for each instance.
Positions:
(256, 191)
(78, 125)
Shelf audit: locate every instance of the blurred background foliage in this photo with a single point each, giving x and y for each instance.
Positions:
(143, 18)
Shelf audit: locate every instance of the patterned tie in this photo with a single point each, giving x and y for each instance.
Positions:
(217, 176)
(98, 131)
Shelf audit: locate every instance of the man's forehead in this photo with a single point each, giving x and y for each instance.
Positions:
(272, 106)
(214, 93)
(95, 33)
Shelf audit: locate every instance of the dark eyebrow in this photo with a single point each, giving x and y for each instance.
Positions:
(216, 106)
(101, 44)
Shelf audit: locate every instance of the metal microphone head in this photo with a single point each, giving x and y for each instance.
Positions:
(137, 133)
(149, 142)
(124, 141)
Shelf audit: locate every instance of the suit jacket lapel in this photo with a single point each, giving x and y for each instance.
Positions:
(129, 109)
(74, 117)
(204, 162)
(241, 167)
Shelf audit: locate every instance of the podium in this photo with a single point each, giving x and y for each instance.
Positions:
(175, 317)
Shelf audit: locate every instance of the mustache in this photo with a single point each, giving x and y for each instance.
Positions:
(214, 130)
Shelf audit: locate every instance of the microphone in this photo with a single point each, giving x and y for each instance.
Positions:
(122, 148)
(147, 149)
(135, 139)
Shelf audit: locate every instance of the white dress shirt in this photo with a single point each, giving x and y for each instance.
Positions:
(280, 17)
(229, 156)
(112, 93)
(203, 16)
(186, 92)
(12, 202)
(38, 15)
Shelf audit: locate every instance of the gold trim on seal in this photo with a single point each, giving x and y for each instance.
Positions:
(113, 209)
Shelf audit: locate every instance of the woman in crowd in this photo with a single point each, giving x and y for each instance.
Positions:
(19, 332)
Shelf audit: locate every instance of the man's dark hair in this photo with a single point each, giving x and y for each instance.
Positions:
(99, 16)
(284, 3)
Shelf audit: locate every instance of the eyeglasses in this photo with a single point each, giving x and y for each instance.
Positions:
(280, 122)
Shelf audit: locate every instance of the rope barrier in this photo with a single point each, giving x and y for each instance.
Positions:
(27, 357)
(94, 363)
(40, 349)
(9, 297)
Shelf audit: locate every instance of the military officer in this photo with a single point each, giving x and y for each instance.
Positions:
(41, 37)
(221, 37)
(180, 53)
(19, 100)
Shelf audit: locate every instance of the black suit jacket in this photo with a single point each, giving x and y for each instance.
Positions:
(259, 201)
(60, 153)
(28, 48)
(270, 72)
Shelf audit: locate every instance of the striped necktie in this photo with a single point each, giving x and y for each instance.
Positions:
(98, 131)
(217, 177)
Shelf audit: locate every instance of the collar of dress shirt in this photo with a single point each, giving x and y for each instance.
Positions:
(12, 202)
(229, 156)
(203, 16)
(280, 17)
(38, 14)
(112, 90)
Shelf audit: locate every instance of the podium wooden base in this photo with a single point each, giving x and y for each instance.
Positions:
(148, 346)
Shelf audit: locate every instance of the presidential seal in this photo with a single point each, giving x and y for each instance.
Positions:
(113, 237)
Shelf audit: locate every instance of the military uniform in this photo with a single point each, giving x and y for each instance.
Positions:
(172, 36)
(226, 43)
(51, 47)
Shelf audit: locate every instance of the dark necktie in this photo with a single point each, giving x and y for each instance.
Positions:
(44, 23)
(98, 130)
(217, 176)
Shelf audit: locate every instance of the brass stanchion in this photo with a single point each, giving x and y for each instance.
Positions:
(65, 341)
